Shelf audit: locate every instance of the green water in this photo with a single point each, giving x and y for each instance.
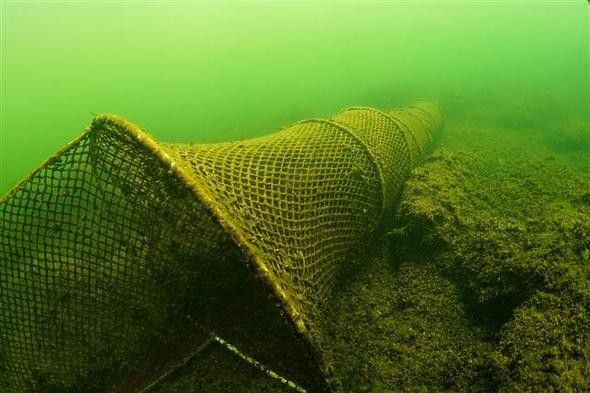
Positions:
(208, 71)
(479, 280)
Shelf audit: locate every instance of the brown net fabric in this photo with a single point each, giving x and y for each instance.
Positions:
(121, 255)
(386, 143)
(418, 123)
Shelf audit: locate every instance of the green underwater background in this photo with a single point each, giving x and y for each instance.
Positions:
(208, 71)
(481, 281)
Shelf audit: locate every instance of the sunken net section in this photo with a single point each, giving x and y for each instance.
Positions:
(387, 143)
(97, 255)
(419, 123)
(303, 199)
(118, 252)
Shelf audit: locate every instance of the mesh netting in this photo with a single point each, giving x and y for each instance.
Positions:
(120, 255)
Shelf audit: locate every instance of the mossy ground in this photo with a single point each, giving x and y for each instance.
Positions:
(482, 282)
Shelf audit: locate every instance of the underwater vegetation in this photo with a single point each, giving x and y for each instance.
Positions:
(482, 281)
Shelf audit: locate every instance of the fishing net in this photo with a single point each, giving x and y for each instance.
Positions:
(122, 256)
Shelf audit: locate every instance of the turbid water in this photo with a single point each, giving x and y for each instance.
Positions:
(479, 279)
(203, 71)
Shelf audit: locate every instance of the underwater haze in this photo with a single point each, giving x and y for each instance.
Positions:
(215, 71)
(433, 237)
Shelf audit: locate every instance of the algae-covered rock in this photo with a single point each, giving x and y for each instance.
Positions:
(405, 329)
(513, 233)
(545, 346)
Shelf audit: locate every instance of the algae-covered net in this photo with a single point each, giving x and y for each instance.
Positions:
(121, 255)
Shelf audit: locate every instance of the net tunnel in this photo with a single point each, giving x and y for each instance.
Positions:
(122, 255)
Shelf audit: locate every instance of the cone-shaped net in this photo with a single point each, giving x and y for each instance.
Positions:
(120, 256)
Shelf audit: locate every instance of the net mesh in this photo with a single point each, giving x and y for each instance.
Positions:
(121, 255)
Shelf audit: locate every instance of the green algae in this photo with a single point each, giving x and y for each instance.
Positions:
(511, 230)
(545, 345)
(406, 330)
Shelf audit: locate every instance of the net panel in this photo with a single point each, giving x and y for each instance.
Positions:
(387, 143)
(302, 197)
(110, 269)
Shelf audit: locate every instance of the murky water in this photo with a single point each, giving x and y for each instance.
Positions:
(203, 71)
(478, 279)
